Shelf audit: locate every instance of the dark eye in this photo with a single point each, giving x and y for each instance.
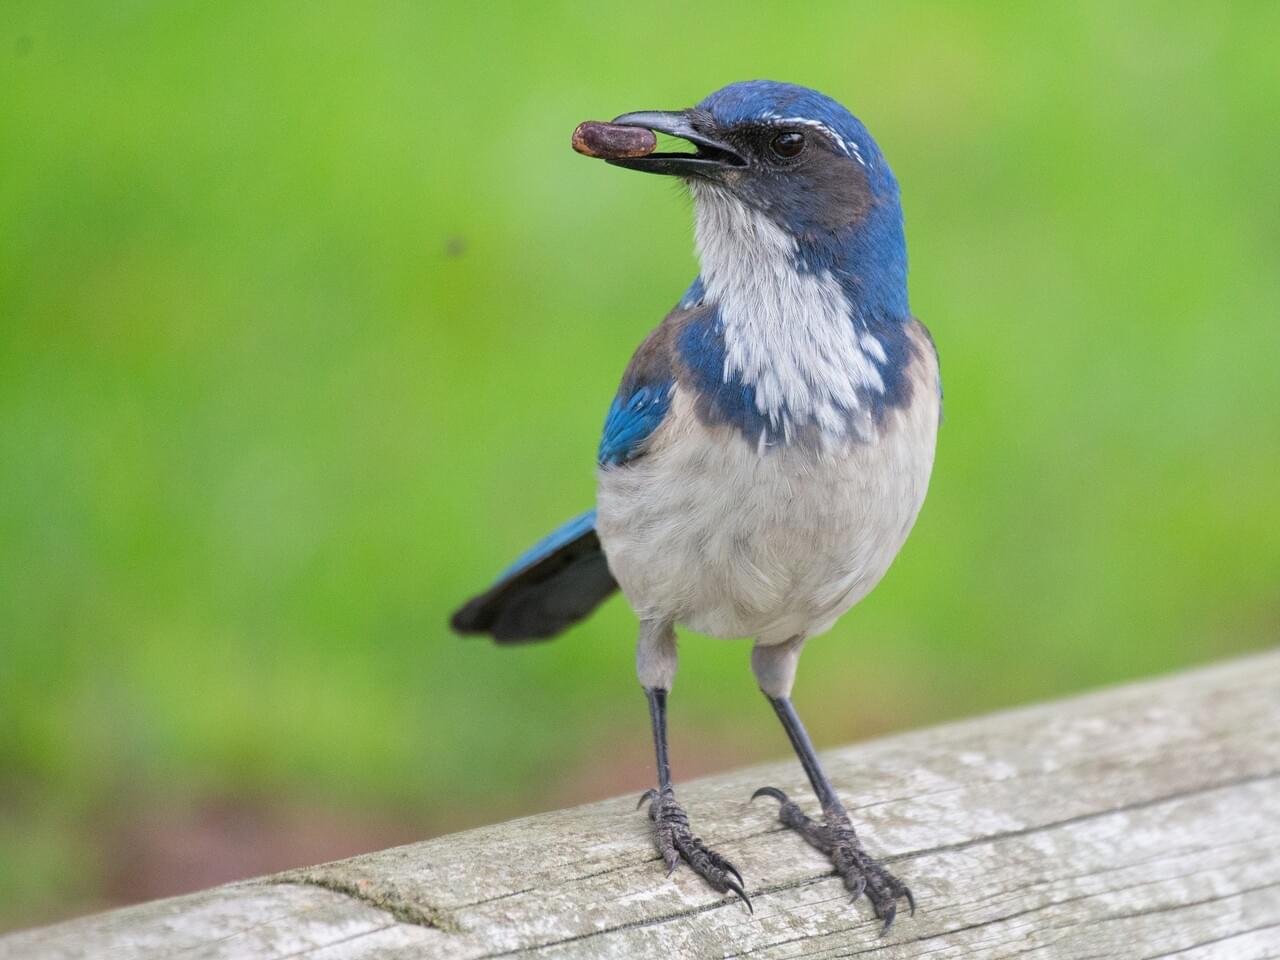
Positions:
(787, 145)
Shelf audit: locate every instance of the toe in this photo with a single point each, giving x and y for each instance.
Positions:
(856, 884)
(675, 841)
(724, 864)
(771, 792)
(737, 888)
(889, 913)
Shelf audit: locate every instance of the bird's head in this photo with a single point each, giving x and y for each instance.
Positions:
(788, 156)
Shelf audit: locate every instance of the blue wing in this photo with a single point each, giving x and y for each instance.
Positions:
(555, 583)
(644, 398)
(633, 416)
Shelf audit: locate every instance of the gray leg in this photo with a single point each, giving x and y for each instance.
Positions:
(672, 835)
(775, 669)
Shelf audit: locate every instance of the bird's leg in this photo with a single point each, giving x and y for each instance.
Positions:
(672, 835)
(834, 835)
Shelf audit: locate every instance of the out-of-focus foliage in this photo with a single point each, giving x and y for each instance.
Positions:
(309, 318)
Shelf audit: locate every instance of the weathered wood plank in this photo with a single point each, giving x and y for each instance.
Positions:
(1137, 822)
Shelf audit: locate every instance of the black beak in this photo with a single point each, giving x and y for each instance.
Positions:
(709, 157)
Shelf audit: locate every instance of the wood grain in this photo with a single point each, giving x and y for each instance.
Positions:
(1141, 821)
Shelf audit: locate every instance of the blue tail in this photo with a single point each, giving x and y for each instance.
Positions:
(554, 584)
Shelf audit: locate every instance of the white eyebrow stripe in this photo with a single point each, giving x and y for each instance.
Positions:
(849, 147)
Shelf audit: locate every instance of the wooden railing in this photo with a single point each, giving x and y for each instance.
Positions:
(1141, 821)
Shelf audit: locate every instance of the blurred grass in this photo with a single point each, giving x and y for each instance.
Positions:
(309, 317)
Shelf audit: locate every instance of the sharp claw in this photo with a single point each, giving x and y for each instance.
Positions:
(837, 839)
(857, 891)
(676, 841)
(724, 865)
(890, 912)
(736, 888)
(771, 792)
(671, 857)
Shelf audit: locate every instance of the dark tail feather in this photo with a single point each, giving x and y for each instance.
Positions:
(556, 583)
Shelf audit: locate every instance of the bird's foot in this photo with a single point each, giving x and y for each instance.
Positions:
(675, 840)
(836, 838)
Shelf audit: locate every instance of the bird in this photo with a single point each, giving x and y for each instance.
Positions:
(770, 444)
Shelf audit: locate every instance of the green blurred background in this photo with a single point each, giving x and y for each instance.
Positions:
(309, 318)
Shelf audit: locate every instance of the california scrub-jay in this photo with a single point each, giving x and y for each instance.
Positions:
(770, 444)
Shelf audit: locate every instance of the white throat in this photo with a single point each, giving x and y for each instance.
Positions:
(789, 334)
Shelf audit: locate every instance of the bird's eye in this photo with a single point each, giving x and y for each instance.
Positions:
(787, 145)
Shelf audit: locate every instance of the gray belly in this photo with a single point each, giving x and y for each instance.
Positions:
(732, 541)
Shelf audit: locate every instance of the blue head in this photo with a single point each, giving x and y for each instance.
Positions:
(804, 163)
